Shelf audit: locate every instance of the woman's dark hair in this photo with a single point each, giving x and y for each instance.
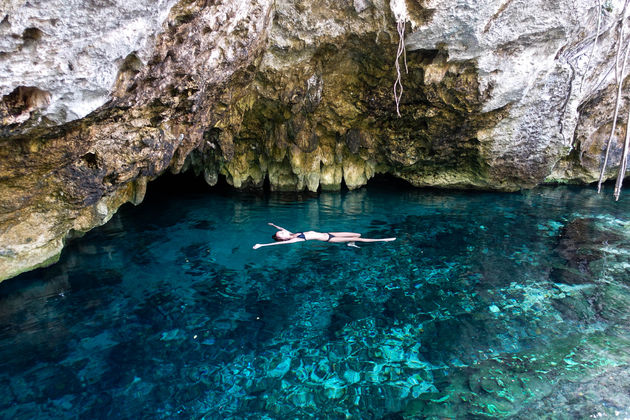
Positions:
(275, 238)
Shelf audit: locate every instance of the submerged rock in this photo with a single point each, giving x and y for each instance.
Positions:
(582, 241)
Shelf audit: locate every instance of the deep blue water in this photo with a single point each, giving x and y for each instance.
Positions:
(487, 305)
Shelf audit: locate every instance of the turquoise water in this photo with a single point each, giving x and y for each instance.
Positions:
(488, 305)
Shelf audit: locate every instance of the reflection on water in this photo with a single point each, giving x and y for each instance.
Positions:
(487, 305)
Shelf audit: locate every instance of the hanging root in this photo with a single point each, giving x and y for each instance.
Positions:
(619, 80)
(398, 87)
(624, 160)
(614, 124)
(590, 56)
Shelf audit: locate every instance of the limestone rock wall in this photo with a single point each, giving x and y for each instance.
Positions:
(320, 111)
(492, 98)
(98, 98)
(56, 182)
(73, 49)
(539, 60)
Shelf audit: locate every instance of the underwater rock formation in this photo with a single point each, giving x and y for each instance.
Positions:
(498, 95)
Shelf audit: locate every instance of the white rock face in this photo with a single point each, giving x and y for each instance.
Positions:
(531, 55)
(73, 48)
(514, 41)
(399, 9)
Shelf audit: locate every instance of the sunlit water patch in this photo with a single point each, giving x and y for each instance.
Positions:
(487, 305)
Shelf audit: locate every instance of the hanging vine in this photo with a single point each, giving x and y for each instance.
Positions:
(399, 9)
(624, 161)
(619, 77)
(590, 56)
(618, 80)
(398, 87)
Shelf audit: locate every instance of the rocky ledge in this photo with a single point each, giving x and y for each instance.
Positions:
(497, 95)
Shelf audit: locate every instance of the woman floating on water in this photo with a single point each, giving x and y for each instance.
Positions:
(283, 236)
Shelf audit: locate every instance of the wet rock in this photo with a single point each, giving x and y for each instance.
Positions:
(44, 383)
(400, 307)
(349, 309)
(579, 245)
(585, 398)
(265, 318)
(6, 398)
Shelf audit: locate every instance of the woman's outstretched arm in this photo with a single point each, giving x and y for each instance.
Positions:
(278, 227)
(290, 241)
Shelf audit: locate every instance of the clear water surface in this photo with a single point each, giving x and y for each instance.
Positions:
(488, 305)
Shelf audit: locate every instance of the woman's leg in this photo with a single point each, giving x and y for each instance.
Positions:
(341, 239)
(346, 234)
(373, 240)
